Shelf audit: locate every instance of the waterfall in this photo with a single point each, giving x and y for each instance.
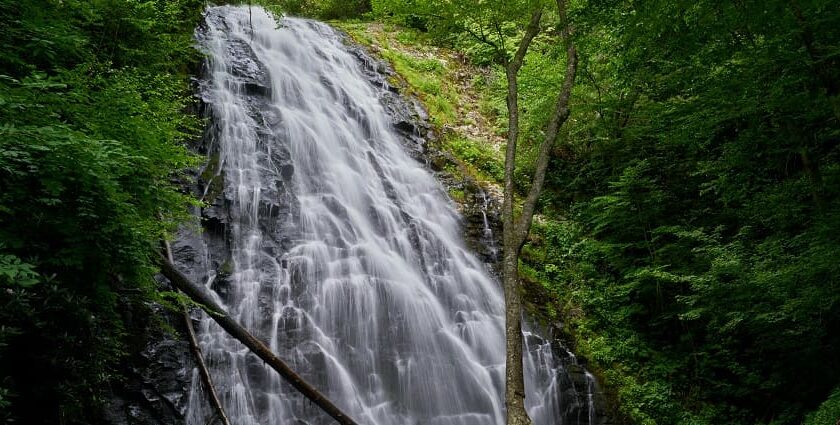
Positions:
(326, 239)
(560, 390)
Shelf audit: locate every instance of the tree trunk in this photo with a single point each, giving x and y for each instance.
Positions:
(514, 374)
(203, 371)
(814, 177)
(516, 229)
(820, 63)
(199, 295)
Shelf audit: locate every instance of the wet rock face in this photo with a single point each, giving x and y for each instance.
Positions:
(156, 388)
(483, 224)
(159, 375)
(160, 366)
(248, 69)
(407, 115)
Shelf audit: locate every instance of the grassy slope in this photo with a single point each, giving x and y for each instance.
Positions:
(451, 90)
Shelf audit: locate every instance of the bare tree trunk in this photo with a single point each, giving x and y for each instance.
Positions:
(820, 64)
(199, 294)
(814, 177)
(514, 376)
(516, 229)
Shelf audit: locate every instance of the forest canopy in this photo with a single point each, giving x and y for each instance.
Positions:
(690, 224)
(94, 114)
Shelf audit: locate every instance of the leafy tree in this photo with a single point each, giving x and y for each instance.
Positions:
(323, 9)
(701, 185)
(93, 98)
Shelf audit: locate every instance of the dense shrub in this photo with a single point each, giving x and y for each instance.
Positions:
(93, 98)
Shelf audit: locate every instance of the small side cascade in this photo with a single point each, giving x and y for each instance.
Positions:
(487, 234)
(569, 393)
(591, 387)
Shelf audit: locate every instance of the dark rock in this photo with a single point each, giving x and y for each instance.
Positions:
(253, 89)
(405, 126)
(159, 376)
(287, 171)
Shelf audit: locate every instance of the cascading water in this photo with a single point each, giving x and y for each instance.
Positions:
(487, 235)
(560, 390)
(331, 243)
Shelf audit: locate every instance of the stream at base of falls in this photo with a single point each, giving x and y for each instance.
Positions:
(327, 238)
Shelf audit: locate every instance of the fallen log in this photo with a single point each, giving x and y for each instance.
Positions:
(206, 379)
(200, 295)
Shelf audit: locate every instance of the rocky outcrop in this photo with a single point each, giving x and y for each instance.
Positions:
(158, 371)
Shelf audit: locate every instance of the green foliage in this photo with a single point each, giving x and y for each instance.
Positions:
(427, 77)
(828, 412)
(93, 98)
(431, 77)
(496, 21)
(479, 155)
(457, 195)
(16, 273)
(323, 9)
(700, 190)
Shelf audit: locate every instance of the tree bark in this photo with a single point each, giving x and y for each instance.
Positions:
(820, 64)
(515, 230)
(198, 294)
(514, 376)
